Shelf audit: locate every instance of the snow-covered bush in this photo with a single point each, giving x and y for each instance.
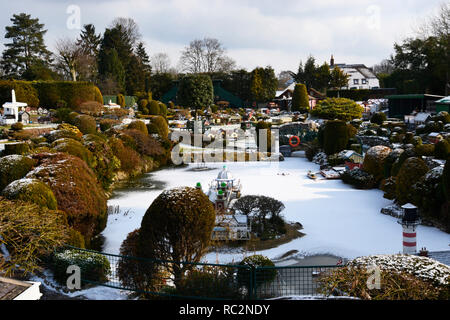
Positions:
(31, 190)
(359, 179)
(93, 266)
(14, 167)
(262, 275)
(374, 161)
(320, 158)
(402, 277)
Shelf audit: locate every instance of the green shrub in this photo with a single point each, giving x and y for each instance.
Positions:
(142, 106)
(359, 179)
(446, 180)
(17, 126)
(442, 150)
(20, 148)
(378, 118)
(86, 124)
(260, 127)
(389, 161)
(106, 124)
(121, 100)
(75, 239)
(407, 153)
(426, 150)
(154, 108)
(337, 108)
(29, 233)
(158, 125)
(14, 167)
(162, 109)
(138, 125)
(263, 276)
(300, 98)
(25, 92)
(31, 190)
(76, 149)
(335, 136)
(93, 266)
(389, 188)
(410, 172)
(130, 161)
(374, 161)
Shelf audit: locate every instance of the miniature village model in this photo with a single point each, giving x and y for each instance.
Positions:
(223, 191)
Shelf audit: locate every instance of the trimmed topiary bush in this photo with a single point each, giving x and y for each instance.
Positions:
(31, 190)
(74, 148)
(138, 125)
(130, 161)
(14, 167)
(374, 161)
(378, 118)
(76, 190)
(86, 124)
(154, 108)
(106, 124)
(93, 266)
(335, 136)
(20, 148)
(442, 150)
(426, 150)
(158, 125)
(300, 99)
(177, 226)
(121, 100)
(17, 126)
(337, 108)
(359, 179)
(263, 276)
(410, 172)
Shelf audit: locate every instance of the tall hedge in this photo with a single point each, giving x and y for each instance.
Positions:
(410, 172)
(300, 99)
(25, 92)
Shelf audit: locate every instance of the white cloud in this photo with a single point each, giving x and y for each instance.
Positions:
(255, 32)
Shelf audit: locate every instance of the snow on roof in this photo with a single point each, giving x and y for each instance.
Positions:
(422, 116)
(409, 206)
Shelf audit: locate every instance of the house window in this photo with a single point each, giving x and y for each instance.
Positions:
(355, 81)
(363, 81)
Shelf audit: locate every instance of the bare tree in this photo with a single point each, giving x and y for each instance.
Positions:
(160, 62)
(384, 66)
(69, 56)
(207, 55)
(131, 29)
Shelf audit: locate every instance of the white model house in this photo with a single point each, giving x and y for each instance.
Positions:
(12, 110)
(360, 76)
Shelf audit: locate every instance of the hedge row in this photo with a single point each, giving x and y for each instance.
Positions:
(49, 94)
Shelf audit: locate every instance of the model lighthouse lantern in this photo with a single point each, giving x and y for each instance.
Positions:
(409, 222)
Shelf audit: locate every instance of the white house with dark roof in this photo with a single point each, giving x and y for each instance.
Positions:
(360, 76)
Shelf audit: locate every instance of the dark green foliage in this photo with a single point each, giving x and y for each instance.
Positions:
(31, 190)
(25, 92)
(359, 179)
(378, 118)
(389, 188)
(195, 91)
(300, 99)
(16, 148)
(64, 115)
(14, 167)
(374, 161)
(425, 150)
(74, 93)
(335, 136)
(86, 124)
(337, 108)
(442, 150)
(93, 266)
(17, 126)
(26, 49)
(154, 108)
(311, 149)
(408, 153)
(264, 275)
(121, 100)
(159, 126)
(142, 106)
(410, 172)
(446, 180)
(389, 161)
(106, 124)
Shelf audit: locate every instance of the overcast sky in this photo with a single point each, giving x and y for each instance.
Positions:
(254, 32)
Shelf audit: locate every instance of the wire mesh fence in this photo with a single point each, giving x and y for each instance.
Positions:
(169, 279)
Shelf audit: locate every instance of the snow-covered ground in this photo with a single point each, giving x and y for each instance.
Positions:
(337, 219)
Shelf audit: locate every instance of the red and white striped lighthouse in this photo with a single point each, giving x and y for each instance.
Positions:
(409, 222)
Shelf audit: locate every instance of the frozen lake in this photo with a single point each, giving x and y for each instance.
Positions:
(337, 219)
